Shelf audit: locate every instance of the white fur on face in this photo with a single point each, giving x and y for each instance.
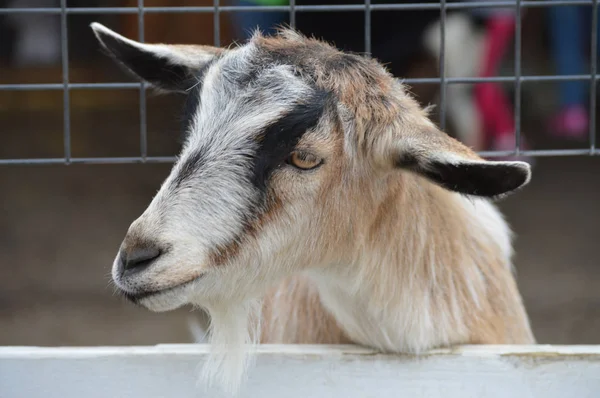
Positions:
(205, 203)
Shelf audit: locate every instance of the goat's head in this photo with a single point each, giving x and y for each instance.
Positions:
(290, 144)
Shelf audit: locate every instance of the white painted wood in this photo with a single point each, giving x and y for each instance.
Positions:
(305, 371)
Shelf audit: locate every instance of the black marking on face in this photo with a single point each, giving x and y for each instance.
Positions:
(278, 139)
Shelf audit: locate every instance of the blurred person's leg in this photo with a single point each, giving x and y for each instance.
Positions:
(495, 107)
(246, 22)
(461, 59)
(567, 46)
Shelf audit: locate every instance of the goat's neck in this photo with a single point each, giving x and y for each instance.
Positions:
(432, 270)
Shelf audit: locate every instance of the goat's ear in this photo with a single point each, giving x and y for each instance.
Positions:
(450, 164)
(167, 67)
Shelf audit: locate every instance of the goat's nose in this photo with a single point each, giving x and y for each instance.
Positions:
(136, 259)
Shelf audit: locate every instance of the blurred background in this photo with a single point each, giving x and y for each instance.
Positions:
(61, 226)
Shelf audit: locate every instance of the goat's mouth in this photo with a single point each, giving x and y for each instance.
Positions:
(163, 299)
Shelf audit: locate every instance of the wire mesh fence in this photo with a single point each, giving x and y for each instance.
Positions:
(367, 8)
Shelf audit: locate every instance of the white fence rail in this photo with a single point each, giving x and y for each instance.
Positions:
(291, 371)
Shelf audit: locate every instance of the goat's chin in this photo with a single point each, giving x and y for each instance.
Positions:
(161, 305)
(234, 330)
(166, 301)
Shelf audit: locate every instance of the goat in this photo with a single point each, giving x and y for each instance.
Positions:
(311, 186)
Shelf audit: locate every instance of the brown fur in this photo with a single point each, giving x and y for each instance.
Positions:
(306, 321)
(471, 268)
(499, 318)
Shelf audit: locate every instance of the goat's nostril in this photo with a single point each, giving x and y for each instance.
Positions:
(137, 259)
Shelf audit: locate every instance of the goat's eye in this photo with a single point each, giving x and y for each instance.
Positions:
(304, 160)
